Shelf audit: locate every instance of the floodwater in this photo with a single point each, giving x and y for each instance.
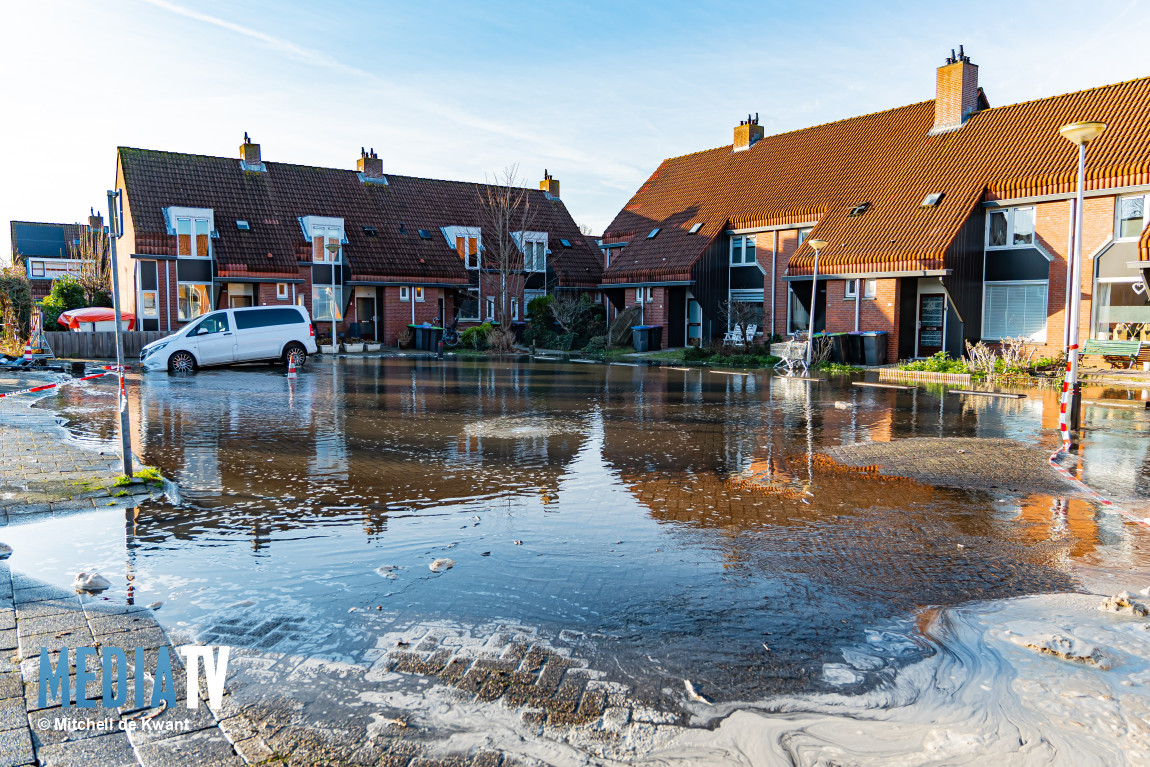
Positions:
(605, 500)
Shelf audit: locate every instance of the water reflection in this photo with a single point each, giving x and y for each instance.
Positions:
(680, 517)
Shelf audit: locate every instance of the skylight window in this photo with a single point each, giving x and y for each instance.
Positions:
(859, 209)
(565, 243)
(654, 231)
(696, 227)
(369, 231)
(424, 234)
(242, 225)
(932, 200)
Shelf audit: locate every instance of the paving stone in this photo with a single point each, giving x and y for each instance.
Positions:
(112, 750)
(16, 748)
(207, 748)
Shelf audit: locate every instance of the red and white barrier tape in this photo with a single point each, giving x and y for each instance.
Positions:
(108, 370)
(1094, 494)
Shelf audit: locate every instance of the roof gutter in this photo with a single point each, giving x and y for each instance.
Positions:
(651, 284)
(1004, 203)
(402, 283)
(873, 275)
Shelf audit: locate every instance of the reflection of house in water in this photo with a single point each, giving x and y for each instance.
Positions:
(391, 437)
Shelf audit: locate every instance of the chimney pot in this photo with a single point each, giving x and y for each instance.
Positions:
(549, 185)
(956, 92)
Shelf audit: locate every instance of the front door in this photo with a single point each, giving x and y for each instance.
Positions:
(694, 322)
(365, 313)
(931, 315)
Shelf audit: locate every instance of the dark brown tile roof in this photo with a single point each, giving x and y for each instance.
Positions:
(889, 160)
(272, 202)
(41, 238)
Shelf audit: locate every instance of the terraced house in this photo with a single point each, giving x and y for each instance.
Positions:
(381, 251)
(48, 251)
(945, 221)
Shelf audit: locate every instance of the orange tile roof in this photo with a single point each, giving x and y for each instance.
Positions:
(889, 160)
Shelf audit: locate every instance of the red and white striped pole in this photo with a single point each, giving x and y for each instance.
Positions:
(1070, 407)
(28, 351)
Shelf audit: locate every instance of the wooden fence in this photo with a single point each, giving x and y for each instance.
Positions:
(100, 344)
(893, 374)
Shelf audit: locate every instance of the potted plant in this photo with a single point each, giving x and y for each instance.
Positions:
(325, 345)
(404, 339)
(353, 344)
(371, 346)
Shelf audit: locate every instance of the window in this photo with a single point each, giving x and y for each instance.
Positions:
(404, 293)
(491, 308)
(322, 303)
(742, 250)
(148, 303)
(534, 247)
(1010, 227)
(639, 295)
(650, 295)
(652, 233)
(469, 310)
(870, 288)
(192, 300)
(858, 210)
(695, 227)
(213, 323)
(1014, 309)
(467, 246)
(515, 309)
(1121, 312)
(242, 225)
(804, 234)
(37, 268)
(281, 290)
(193, 237)
(1132, 218)
(325, 244)
(419, 294)
(932, 200)
(852, 289)
(265, 318)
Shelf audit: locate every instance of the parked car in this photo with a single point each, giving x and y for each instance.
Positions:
(255, 334)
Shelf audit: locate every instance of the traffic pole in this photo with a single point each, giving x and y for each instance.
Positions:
(114, 225)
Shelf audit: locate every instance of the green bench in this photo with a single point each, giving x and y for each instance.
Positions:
(1111, 351)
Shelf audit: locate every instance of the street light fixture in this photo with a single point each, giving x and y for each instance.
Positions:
(817, 245)
(1069, 419)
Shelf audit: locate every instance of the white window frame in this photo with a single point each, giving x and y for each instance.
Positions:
(173, 215)
(281, 290)
(36, 268)
(490, 308)
(535, 239)
(804, 233)
(515, 310)
(870, 289)
(404, 293)
(336, 301)
(851, 291)
(419, 294)
(742, 243)
(1010, 216)
(211, 300)
(1118, 211)
(1039, 337)
(452, 233)
(650, 297)
(155, 312)
(244, 289)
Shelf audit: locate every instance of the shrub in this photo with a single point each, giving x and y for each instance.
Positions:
(696, 354)
(596, 347)
(476, 337)
(539, 310)
(500, 339)
(15, 309)
(67, 293)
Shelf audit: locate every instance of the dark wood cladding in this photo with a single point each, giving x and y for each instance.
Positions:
(710, 281)
(964, 283)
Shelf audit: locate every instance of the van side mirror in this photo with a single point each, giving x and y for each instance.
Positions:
(201, 331)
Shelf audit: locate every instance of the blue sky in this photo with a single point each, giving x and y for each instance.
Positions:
(598, 93)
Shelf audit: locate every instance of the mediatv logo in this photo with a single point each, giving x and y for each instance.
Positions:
(54, 680)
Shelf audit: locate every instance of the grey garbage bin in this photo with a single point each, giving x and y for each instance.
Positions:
(854, 348)
(647, 338)
(838, 346)
(874, 347)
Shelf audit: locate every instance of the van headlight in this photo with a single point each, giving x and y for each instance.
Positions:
(153, 349)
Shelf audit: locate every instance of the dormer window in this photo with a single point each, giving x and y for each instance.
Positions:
(193, 230)
(1132, 216)
(742, 250)
(534, 247)
(326, 237)
(467, 242)
(1010, 227)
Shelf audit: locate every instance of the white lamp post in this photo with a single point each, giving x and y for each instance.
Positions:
(817, 245)
(1080, 133)
(333, 248)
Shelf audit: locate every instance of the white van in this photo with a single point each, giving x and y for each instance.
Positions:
(255, 334)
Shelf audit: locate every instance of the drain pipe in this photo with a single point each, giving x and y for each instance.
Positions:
(774, 269)
(859, 283)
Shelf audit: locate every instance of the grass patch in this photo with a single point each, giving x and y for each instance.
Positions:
(120, 494)
(839, 368)
(149, 474)
(938, 363)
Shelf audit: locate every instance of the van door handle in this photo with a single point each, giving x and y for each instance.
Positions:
(227, 333)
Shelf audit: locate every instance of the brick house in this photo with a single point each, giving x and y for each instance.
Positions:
(47, 251)
(946, 221)
(204, 233)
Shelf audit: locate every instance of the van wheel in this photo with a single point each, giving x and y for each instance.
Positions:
(297, 352)
(181, 362)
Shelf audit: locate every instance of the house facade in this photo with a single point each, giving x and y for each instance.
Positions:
(946, 221)
(48, 251)
(376, 251)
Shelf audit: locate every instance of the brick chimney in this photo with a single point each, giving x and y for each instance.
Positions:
(250, 153)
(95, 221)
(549, 185)
(747, 132)
(956, 92)
(369, 165)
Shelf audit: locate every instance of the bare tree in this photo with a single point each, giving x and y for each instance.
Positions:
(741, 315)
(570, 310)
(505, 212)
(586, 230)
(92, 253)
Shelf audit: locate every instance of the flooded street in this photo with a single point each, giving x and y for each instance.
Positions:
(659, 524)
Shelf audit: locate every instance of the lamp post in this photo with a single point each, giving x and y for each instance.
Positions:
(817, 245)
(333, 249)
(115, 229)
(1069, 417)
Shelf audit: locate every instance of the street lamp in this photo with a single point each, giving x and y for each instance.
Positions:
(817, 245)
(1069, 418)
(333, 249)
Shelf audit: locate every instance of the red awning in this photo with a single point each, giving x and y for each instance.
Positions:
(74, 317)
